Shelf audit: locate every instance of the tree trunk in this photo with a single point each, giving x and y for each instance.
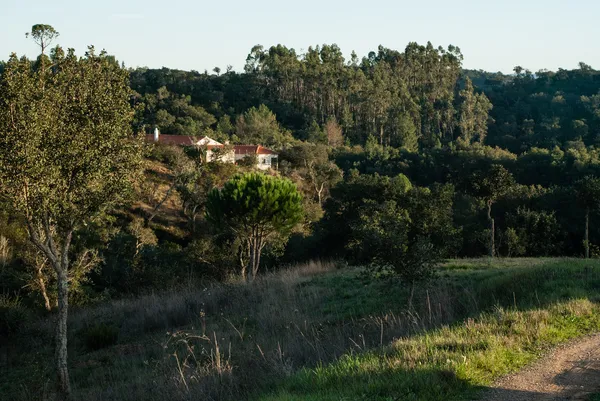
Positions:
(60, 262)
(43, 290)
(587, 233)
(412, 294)
(64, 386)
(320, 193)
(158, 206)
(252, 261)
(258, 253)
(255, 260)
(492, 229)
(243, 263)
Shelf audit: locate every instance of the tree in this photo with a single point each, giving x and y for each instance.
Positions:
(43, 35)
(406, 235)
(260, 127)
(588, 196)
(490, 185)
(332, 129)
(473, 113)
(255, 207)
(67, 155)
(196, 184)
(311, 162)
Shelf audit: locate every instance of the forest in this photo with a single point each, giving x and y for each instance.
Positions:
(396, 161)
(454, 150)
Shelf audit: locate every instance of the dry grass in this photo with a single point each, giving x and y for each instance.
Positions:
(238, 340)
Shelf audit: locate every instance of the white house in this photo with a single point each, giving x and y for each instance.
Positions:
(210, 147)
(265, 158)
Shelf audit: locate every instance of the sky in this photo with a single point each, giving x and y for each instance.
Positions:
(199, 34)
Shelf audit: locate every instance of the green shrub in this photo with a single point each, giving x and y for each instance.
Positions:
(100, 336)
(13, 315)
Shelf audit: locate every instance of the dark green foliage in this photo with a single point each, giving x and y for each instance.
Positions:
(13, 316)
(408, 233)
(255, 208)
(383, 235)
(535, 233)
(259, 126)
(588, 192)
(493, 183)
(98, 336)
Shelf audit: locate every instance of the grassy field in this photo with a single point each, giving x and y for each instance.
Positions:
(316, 332)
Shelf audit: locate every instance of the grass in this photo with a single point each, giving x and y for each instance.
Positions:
(316, 333)
(449, 363)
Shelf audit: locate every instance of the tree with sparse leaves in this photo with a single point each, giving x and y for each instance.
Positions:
(67, 154)
(490, 185)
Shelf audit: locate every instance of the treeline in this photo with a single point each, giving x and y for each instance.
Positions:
(397, 148)
(417, 99)
(414, 99)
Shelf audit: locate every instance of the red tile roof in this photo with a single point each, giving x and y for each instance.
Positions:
(252, 149)
(182, 140)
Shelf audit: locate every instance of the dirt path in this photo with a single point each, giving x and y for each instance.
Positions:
(570, 372)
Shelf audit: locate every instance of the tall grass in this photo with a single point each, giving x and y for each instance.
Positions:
(317, 324)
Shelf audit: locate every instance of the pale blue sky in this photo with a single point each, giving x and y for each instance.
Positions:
(188, 34)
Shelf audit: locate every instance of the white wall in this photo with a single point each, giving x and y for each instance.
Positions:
(265, 162)
(228, 157)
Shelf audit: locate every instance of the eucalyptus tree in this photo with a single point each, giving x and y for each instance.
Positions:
(67, 154)
(473, 113)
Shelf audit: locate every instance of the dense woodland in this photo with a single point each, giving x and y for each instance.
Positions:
(401, 150)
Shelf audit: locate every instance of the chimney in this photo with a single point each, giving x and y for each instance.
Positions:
(156, 134)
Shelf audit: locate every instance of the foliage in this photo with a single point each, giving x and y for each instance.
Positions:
(67, 154)
(492, 183)
(259, 126)
(533, 232)
(384, 233)
(255, 207)
(13, 316)
(316, 172)
(171, 113)
(407, 236)
(100, 335)
(195, 185)
(588, 192)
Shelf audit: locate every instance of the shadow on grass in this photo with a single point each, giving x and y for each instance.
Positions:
(420, 385)
(438, 385)
(303, 323)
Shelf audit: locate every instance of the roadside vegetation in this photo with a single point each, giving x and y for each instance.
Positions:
(318, 331)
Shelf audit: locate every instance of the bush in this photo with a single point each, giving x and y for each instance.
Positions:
(13, 316)
(100, 336)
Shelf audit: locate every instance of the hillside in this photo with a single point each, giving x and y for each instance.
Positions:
(317, 332)
(159, 271)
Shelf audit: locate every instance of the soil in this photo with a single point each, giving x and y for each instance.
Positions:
(570, 372)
